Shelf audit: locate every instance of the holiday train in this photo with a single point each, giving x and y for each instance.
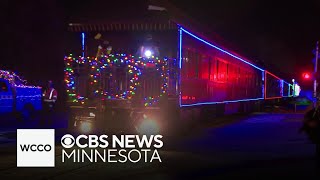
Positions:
(158, 72)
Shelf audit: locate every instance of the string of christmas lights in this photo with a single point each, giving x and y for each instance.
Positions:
(164, 73)
(70, 78)
(105, 69)
(15, 80)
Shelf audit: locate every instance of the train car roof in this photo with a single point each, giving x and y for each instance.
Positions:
(142, 19)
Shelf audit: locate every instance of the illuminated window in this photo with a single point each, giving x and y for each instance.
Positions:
(204, 67)
(213, 64)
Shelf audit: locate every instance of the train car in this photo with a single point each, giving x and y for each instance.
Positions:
(157, 75)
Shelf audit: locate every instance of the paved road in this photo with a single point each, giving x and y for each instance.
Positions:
(259, 146)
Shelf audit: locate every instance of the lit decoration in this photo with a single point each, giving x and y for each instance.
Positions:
(83, 43)
(105, 67)
(181, 33)
(14, 79)
(70, 77)
(296, 90)
(148, 53)
(164, 73)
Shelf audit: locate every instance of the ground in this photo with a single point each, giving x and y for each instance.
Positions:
(259, 146)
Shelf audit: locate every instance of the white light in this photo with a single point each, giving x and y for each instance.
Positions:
(297, 90)
(92, 114)
(293, 80)
(148, 53)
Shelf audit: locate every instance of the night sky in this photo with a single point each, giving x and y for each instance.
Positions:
(281, 34)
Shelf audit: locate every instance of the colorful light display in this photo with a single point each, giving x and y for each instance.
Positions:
(15, 80)
(106, 66)
(160, 67)
(70, 77)
(296, 90)
(182, 31)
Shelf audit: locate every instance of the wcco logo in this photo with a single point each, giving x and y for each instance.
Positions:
(35, 148)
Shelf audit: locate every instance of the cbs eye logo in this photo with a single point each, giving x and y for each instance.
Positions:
(67, 141)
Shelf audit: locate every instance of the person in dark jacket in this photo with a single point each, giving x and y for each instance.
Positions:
(50, 96)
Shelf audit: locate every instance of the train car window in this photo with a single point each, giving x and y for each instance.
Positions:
(185, 61)
(230, 73)
(212, 69)
(227, 73)
(222, 73)
(204, 67)
(239, 76)
(209, 68)
(217, 65)
(197, 60)
(3, 86)
(192, 65)
(233, 72)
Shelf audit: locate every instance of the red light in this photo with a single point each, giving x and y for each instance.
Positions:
(306, 75)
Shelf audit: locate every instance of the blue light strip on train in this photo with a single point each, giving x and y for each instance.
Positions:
(180, 64)
(83, 43)
(181, 29)
(222, 102)
(263, 84)
(180, 48)
(222, 50)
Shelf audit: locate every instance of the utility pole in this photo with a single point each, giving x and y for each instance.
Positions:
(315, 78)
